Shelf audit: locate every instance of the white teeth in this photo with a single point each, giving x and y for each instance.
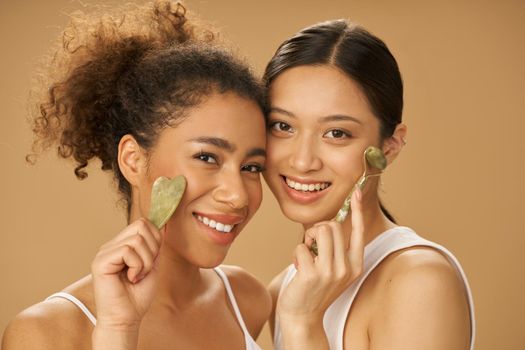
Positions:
(306, 187)
(219, 226)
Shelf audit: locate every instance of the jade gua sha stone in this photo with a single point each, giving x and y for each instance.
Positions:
(376, 158)
(165, 197)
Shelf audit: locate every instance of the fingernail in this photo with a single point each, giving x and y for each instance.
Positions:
(358, 194)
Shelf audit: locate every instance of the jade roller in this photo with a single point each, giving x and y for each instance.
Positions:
(374, 157)
(165, 197)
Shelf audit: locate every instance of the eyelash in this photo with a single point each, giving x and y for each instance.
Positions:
(258, 168)
(278, 126)
(345, 134)
(203, 156)
(274, 126)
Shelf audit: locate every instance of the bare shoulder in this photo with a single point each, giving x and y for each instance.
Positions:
(252, 297)
(412, 267)
(421, 299)
(53, 324)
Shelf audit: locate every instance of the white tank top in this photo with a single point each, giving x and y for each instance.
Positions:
(376, 251)
(250, 342)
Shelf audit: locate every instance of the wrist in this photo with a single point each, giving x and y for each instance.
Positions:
(303, 333)
(115, 337)
(300, 321)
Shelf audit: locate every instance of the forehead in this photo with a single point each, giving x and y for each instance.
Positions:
(224, 115)
(318, 91)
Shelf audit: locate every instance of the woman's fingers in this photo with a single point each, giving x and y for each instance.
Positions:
(325, 245)
(341, 243)
(146, 229)
(304, 259)
(138, 243)
(137, 252)
(356, 251)
(114, 261)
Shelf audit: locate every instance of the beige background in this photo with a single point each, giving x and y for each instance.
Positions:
(458, 182)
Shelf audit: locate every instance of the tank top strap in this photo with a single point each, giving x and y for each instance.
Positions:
(77, 302)
(250, 342)
(376, 252)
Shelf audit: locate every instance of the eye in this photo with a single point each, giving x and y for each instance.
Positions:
(281, 126)
(206, 157)
(253, 168)
(337, 134)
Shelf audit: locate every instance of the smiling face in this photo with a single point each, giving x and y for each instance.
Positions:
(319, 126)
(220, 149)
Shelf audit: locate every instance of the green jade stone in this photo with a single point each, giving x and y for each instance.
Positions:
(165, 197)
(375, 157)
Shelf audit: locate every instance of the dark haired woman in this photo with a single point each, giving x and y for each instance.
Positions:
(150, 95)
(335, 89)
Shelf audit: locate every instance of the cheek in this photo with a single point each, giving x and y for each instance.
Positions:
(347, 164)
(255, 195)
(277, 151)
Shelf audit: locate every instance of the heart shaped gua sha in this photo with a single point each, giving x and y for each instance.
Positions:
(376, 158)
(165, 197)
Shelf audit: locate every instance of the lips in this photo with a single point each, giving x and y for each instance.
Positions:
(221, 228)
(304, 191)
(306, 185)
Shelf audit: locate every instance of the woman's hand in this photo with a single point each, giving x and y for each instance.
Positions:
(320, 279)
(124, 278)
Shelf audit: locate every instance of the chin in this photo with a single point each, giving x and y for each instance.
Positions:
(306, 215)
(210, 261)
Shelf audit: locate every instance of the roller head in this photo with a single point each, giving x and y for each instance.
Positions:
(375, 157)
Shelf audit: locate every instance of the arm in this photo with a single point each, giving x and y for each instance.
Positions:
(423, 306)
(320, 279)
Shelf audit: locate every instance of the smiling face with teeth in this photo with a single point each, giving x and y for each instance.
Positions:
(219, 147)
(320, 123)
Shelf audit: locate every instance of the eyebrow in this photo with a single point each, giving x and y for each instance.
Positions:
(329, 118)
(227, 146)
(339, 117)
(282, 111)
(256, 152)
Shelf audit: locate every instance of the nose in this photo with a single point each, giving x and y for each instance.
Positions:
(304, 157)
(231, 190)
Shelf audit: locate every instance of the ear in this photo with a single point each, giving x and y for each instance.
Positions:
(131, 159)
(393, 145)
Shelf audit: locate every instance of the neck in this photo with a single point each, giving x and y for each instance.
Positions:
(180, 282)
